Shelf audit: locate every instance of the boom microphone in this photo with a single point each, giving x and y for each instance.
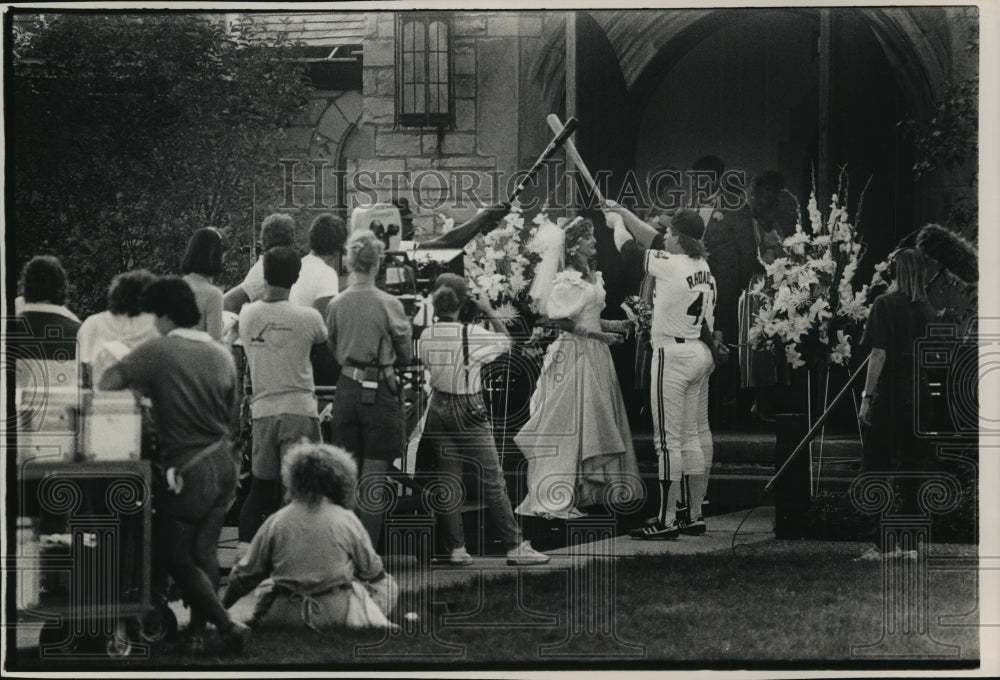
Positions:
(951, 251)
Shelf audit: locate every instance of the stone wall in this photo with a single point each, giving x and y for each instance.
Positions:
(499, 126)
(453, 171)
(317, 143)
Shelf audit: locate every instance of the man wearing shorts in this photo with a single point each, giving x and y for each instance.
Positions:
(278, 337)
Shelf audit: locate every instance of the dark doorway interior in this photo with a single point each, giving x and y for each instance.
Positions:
(745, 86)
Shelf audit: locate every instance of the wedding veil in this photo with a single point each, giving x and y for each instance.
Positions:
(549, 242)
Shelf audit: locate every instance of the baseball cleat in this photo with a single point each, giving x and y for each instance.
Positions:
(682, 509)
(695, 528)
(656, 531)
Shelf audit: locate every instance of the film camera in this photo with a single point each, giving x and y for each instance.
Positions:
(383, 220)
(408, 271)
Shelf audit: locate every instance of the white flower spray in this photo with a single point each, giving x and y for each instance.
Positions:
(810, 307)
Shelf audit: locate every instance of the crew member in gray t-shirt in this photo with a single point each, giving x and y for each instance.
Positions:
(278, 337)
(191, 380)
(368, 330)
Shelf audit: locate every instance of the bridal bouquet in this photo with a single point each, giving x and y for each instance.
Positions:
(501, 264)
(810, 307)
(638, 310)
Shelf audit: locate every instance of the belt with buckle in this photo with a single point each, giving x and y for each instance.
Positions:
(358, 374)
(671, 338)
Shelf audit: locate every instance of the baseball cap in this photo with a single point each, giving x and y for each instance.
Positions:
(685, 222)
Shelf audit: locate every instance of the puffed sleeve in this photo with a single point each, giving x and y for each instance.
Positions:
(568, 297)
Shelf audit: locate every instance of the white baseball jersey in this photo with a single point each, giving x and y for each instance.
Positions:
(684, 295)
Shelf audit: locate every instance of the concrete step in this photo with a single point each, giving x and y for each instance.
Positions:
(755, 447)
(732, 447)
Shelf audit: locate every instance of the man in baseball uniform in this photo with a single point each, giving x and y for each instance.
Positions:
(683, 314)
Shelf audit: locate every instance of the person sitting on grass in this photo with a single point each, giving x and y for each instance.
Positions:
(316, 557)
(191, 380)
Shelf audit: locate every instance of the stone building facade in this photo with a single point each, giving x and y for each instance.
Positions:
(493, 131)
(632, 79)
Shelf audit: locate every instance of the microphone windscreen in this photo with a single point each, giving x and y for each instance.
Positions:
(908, 241)
(951, 251)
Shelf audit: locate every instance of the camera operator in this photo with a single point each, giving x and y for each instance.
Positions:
(468, 310)
(458, 423)
(369, 333)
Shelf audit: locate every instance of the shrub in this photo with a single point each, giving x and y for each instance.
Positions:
(833, 517)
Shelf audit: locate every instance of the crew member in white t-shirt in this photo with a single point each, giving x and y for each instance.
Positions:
(319, 280)
(683, 358)
(278, 337)
(277, 230)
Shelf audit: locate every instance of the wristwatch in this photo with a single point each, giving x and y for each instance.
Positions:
(865, 395)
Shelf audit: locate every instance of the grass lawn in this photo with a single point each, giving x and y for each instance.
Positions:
(779, 602)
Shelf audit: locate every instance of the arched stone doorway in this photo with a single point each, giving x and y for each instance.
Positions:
(759, 71)
(747, 87)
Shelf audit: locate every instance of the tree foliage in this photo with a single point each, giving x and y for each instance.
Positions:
(128, 132)
(949, 139)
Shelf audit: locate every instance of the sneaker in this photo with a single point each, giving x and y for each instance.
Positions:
(695, 528)
(656, 531)
(870, 555)
(525, 554)
(876, 555)
(460, 557)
